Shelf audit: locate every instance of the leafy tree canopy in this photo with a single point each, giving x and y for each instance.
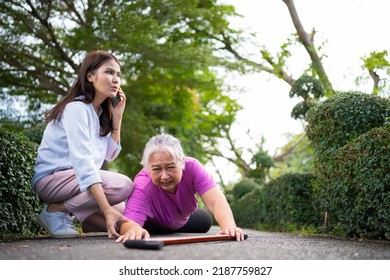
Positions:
(169, 59)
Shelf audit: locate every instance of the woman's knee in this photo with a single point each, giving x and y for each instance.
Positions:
(117, 184)
(126, 187)
(206, 218)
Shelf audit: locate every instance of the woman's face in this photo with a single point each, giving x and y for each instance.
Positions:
(164, 171)
(106, 79)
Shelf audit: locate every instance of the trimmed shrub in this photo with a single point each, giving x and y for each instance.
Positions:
(285, 203)
(351, 139)
(243, 187)
(35, 132)
(354, 185)
(338, 120)
(248, 210)
(18, 203)
(289, 201)
(311, 90)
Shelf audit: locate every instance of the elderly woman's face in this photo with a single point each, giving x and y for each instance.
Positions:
(164, 171)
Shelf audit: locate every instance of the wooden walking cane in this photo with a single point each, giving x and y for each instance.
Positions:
(158, 243)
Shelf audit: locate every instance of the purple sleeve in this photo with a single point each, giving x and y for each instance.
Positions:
(202, 180)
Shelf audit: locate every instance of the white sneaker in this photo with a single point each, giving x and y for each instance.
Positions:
(57, 224)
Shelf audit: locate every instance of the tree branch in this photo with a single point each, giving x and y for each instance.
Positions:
(282, 156)
(307, 41)
(45, 23)
(376, 79)
(280, 72)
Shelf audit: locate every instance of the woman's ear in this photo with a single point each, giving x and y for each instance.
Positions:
(90, 77)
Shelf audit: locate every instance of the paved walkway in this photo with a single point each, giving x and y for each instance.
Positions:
(264, 255)
(259, 245)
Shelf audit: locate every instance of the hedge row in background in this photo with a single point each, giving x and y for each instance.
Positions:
(286, 203)
(18, 203)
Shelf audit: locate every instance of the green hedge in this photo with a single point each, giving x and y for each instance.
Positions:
(351, 140)
(289, 201)
(249, 209)
(243, 187)
(18, 203)
(285, 203)
(354, 186)
(35, 133)
(338, 120)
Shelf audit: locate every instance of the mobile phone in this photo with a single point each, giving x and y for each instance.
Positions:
(115, 100)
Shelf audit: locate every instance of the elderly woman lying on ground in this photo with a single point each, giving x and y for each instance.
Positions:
(164, 196)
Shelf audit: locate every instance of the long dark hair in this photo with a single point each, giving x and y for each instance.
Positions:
(82, 87)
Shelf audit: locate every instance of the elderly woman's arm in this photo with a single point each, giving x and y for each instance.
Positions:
(217, 204)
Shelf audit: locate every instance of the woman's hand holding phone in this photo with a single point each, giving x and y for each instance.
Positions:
(115, 100)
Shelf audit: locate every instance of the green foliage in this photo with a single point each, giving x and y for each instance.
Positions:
(11, 124)
(351, 138)
(18, 203)
(354, 186)
(307, 87)
(338, 120)
(243, 187)
(35, 133)
(286, 203)
(378, 66)
(299, 111)
(249, 210)
(297, 156)
(290, 201)
(311, 90)
(279, 60)
(168, 59)
(262, 163)
(376, 60)
(262, 159)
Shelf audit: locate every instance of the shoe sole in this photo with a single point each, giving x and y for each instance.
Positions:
(46, 227)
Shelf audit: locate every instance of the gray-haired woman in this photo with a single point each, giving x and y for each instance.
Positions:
(164, 197)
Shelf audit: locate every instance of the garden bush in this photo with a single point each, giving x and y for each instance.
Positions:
(289, 202)
(354, 186)
(243, 187)
(350, 136)
(248, 210)
(35, 132)
(338, 120)
(285, 203)
(18, 203)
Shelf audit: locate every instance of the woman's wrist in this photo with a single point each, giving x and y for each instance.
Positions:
(116, 125)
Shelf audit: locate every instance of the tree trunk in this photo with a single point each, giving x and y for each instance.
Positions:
(307, 41)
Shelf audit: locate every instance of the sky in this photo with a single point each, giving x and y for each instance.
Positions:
(350, 29)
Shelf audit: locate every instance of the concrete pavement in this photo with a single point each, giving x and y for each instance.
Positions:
(260, 245)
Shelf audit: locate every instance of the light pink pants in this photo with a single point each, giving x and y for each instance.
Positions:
(63, 186)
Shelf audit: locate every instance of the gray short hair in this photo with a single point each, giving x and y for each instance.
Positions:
(163, 142)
